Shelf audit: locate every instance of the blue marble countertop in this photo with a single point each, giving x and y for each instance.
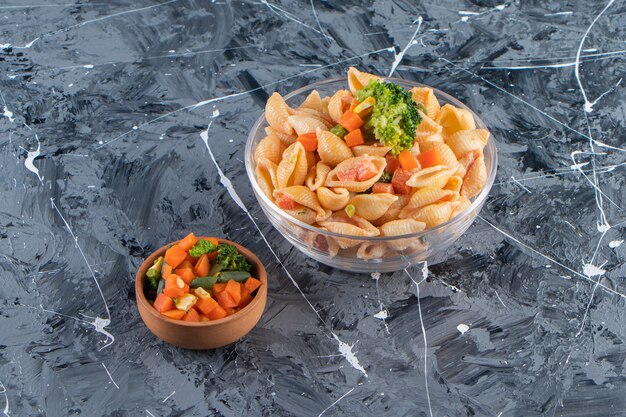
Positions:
(102, 161)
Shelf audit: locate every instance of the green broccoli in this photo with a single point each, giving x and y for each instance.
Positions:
(386, 177)
(201, 247)
(394, 118)
(153, 274)
(229, 259)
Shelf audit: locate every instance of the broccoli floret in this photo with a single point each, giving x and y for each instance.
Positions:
(394, 118)
(201, 247)
(386, 177)
(229, 259)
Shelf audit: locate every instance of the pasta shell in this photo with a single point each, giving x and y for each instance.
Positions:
(317, 176)
(392, 211)
(454, 184)
(311, 160)
(401, 227)
(325, 102)
(333, 198)
(269, 148)
(424, 197)
(475, 178)
(445, 153)
(354, 226)
(428, 130)
(266, 176)
(292, 169)
(305, 124)
(372, 206)
(357, 79)
(452, 119)
(361, 150)
(304, 214)
(321, 243)
(305, 197)
(285, 139)
(306, 112)
(313, 101)
(336, 105)
(426, 97)
(355, 165)
(465, 141)
(331, 148)
(435, 214)
(464, 203)
(435, 177)
(371, 250)
(277, 113)
(468, 159)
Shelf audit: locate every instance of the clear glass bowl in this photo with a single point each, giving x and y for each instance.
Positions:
(366, 254)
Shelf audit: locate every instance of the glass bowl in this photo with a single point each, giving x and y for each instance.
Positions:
(367, 254)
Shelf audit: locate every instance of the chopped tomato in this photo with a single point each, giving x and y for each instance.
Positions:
(286, 203)
(400, 177)
(349, 175)
(365, 171)
(392, 164)
(381, 187)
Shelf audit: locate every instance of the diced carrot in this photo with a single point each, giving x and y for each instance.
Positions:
(175, 286)
(192, 315)
(217, 313)
(225, 300)
(252, 284)
(399, 179)
(392, 164)
(167, 270)
(350, 121)
(308, 141)
(186, 274)
(175, 255)
(206, 305)
(246, 297)
(233, 288)
(382, 187)
(217, 288)
(190, 259)
(430, 158)
(354, 138)
(407, 160)
(187, 242)
(163, 303)
(174, 314)
(213, 254)
(285, 202)
(202, 266)
(185, 264)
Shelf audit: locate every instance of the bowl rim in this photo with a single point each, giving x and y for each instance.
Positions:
(476, 202)
(250, 256)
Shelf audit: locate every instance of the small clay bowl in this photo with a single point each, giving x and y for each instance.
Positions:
(208, 334)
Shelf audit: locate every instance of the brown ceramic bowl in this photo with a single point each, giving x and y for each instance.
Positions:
(208, 334)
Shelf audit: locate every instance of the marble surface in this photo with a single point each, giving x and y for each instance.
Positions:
(102, 161)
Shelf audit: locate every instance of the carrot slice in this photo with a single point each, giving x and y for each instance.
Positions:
(206, 305)
(185, 264)
(408, 161)
(187, 242)
(186, 274)
(175, 255)
(202, 266)
(163, 303)
(354, 138)
(167, 270)
(392, 164)
(350, 121)
(192, 315)
(382, 187)
(217, 313)
(175, 286)
(252, 284)
(190, 259)
(308, 141)
(246, 297)
(233, 288)
(174, 314)
(225, 300)
(430, 158)
(217, 288)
